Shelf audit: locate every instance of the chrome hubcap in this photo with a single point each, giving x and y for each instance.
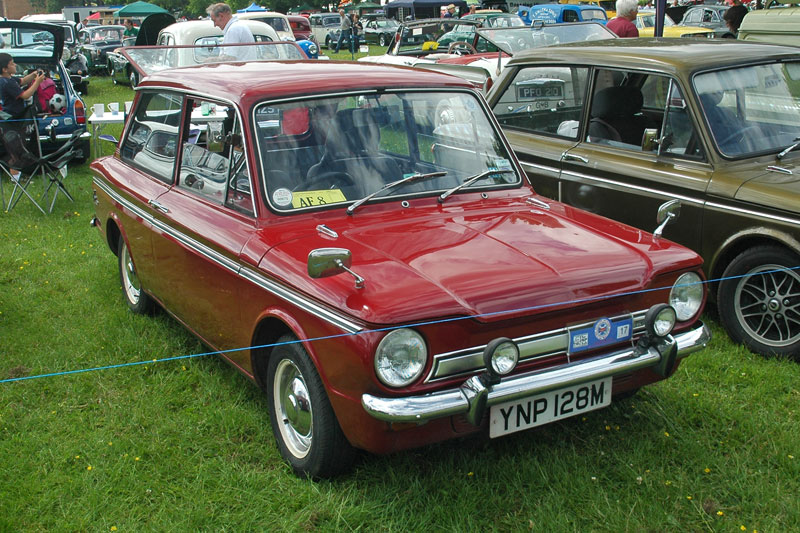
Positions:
(293, 407)
(768, 305)
(130, 280)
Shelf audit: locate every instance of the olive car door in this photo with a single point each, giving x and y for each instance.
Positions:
(207, 218)
(540, 110)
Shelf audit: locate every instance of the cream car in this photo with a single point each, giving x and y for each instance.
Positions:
(278, 21)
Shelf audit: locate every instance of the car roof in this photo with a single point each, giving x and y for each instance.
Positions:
(664, 54)
(187, 32)
(250, 82)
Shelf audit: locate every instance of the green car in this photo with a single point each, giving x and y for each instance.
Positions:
(492, 19)
(620, 127)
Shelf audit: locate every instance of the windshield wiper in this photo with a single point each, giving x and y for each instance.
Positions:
(407, 179)
(791, 148)
(469, 181)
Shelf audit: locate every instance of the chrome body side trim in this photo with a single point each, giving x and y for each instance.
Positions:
(468, 400)
(268, 284)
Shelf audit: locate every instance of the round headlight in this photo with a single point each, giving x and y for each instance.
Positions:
(500, 356)
(400, 358)
(686, 296)
(659, 320)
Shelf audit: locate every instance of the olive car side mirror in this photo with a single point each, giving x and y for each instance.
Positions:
(668, 212)
(324, 262)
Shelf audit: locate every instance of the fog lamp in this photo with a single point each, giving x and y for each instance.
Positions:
(500, 357)
(659, 320)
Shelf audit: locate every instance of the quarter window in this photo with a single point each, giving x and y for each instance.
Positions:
(152, 139)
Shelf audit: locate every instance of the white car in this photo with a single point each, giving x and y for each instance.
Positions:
(278, 21)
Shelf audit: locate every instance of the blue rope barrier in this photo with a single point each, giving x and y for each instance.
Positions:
(389, 328)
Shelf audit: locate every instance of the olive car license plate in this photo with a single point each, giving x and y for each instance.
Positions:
(516, 415)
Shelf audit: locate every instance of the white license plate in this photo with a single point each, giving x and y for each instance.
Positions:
(516, 415)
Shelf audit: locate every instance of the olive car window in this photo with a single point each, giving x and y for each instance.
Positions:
(545, 100)
(213, 165)
(751, 109)
(152, 140)
(319, 152)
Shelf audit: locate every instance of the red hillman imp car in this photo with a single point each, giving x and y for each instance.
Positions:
(386, 275)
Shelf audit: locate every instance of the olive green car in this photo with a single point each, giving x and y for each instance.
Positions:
(619, 127)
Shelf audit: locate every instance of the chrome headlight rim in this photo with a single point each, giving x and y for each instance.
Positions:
(686, 296)
(388, 362)
(500, 357)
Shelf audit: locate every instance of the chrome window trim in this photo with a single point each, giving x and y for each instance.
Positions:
(620, 186)
(270, 285)
(531, 347)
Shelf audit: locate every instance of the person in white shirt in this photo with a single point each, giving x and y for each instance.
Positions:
(233, 31)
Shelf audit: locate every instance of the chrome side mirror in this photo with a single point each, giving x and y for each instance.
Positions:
(650, 140)
(668, 212)
(324, 262)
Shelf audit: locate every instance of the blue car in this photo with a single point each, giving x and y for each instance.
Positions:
(38, 45)
(559, 13)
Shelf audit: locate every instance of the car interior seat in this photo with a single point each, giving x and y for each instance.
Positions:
(616, 115)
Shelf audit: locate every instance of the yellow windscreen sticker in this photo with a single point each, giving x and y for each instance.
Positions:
(317, 198)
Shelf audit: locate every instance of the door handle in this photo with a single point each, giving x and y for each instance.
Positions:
(572, 157)
(157, 206)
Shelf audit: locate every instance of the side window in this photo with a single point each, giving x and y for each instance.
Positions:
(152, 140)
(546, 100)
(679, 136)
(213, 163)
(615, 114)
(570, 15)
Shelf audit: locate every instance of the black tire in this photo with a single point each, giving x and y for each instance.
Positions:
(138, 301)
(328, 43)
(110, 69)
(133, 78)
(758, 301)
(382, 40)
(303, 422)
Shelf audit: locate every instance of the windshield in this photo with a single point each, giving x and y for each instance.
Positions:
(514, 40)
(315, 153)
(277, 23)
(751, 109)
(151, 59)
(106, 35)
(422, 39)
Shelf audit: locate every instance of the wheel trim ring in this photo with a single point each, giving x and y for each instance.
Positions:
(762, 279)
(297, 440)
(130, 280)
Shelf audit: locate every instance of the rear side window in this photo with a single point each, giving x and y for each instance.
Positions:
(152, 140)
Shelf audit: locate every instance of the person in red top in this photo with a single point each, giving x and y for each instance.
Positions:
(623, 24)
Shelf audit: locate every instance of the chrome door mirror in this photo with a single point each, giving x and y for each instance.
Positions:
(668, 212)
(324, 262)
(650, 140)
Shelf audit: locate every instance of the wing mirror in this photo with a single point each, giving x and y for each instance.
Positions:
(650, 140)
(324, 262)
(668, 212)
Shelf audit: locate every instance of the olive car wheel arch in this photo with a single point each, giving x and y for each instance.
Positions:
(759, 300)
(138, 301)
(305, 427)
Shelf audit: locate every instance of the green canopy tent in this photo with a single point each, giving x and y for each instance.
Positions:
(139, 9)
(370, 6)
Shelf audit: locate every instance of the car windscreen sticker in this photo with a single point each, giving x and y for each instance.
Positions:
(601, 333)
(282, 197)
(317, 198)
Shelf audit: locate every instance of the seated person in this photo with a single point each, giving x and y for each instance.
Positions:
(12, 96)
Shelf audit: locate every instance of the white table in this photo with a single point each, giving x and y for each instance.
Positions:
(98, 123)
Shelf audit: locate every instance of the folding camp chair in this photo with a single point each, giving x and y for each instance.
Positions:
(23, 161)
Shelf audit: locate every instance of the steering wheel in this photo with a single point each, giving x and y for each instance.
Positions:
(461, 48)
(328, 180)
(739, 134)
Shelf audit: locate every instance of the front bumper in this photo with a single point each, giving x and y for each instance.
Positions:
(474, 396)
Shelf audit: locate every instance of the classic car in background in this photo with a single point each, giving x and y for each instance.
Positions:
(37, 45)
(194, 42)
(301, 28)
(619, 127)
(321, 26)
(95, 42)
(481, 60)
(279, 22)
(380, 31)
(560, 13)
(646, 24)
(778, 23)
(708, 16)
(270, 214)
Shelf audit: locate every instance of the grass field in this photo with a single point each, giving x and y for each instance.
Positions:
(186, 445)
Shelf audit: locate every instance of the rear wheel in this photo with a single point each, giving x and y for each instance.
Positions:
(382, 40)
(112, 72)
(138, 301)
(328, 43)
(133, 78)
(303, 422)
(759, 301)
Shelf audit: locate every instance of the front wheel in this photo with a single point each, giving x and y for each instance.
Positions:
(303, 422)
(759, 301)
(382, 40)
(138, 301)
(133, 78)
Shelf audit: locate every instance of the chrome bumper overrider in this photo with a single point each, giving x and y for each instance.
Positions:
(474, 396)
